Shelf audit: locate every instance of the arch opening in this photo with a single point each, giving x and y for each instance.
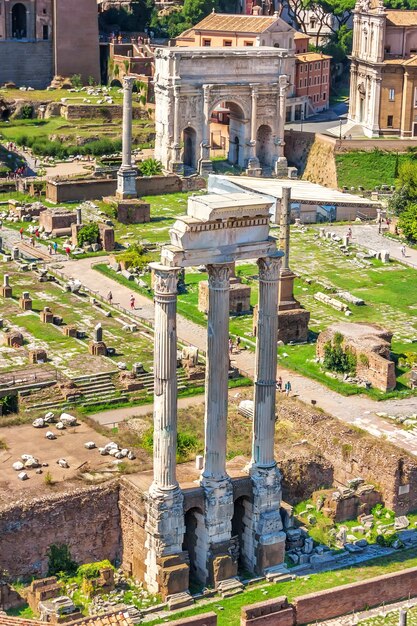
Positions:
(264, 145)
(19, 21)
(241, 533)
(193, 544)
(228, 133)
(190, 148)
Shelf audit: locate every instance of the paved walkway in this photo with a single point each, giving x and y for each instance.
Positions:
(356, 410)
(367, 236)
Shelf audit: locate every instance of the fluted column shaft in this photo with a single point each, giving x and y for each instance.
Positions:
(217, 371)
(282, 101)
(165, 377)
(128, 82)
(205, 143)
(266, 364)
(254, 121)
(284, 223)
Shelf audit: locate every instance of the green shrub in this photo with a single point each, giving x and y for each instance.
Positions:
(187, 443)
(76, 81)
(92, 570)
(363, 360)
(60, 560)
(26, 112)
(336, 359)
(134, 257)
(150, 167)
(9, 404)
(88, 234)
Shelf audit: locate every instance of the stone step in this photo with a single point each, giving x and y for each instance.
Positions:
(230, 587)
(134, 614)
(93, 377)
(279, 573)
(179, 600)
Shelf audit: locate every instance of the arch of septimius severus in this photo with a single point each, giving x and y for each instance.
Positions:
(192, 526)
(191, 82)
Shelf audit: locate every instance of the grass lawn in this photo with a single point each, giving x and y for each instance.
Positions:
(367, 169)
(228, 610)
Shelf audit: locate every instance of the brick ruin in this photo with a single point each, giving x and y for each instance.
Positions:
(370, 344)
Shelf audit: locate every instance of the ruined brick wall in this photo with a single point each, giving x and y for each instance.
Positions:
(56, 219)
(92, 111)
(302, 475)
(354, 453)
(85, 518)
(132, 522)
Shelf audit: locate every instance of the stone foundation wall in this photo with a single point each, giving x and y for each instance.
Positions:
(95, 189)
(90, 111)
(354, 453)
(28, 64)
(87, 519)
(132, 522)
(302, 476)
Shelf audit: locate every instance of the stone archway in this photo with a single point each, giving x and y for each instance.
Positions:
(190, 147)
(194, 532)
(264, 145)
(19, 21)
(234, 131)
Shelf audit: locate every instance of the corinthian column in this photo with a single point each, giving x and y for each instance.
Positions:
(281, 166)
(164, 506)
(165, 377)
(264, 545)
(126, 176)
(217, 373)
(266, 364)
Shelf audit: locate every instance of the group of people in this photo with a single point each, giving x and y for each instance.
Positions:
(235, 345)
(286, 387)
(18, 173)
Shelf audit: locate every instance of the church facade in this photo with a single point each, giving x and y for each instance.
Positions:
(40, 39)
(383, 86)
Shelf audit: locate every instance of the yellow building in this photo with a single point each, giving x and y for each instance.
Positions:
(383, 88)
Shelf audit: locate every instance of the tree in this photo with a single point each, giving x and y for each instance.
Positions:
(88, 234)
(408, 223)
(407, 177)
(399, 200)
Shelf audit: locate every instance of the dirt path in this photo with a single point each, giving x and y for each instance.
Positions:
(356, 410)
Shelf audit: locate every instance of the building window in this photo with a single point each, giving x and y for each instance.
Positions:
(248, 43)
(301, 69)
(227, 43)
(311, 67)
(45, 32)
(391, 95)
(301, 82)
(206, 42)
(305, 82)
(390, 120)
(309, 81)
(324, 96)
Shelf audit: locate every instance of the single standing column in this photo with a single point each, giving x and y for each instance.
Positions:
(204, 162)
(217, 373)
(284, 231)
(253, 161)
(266, 364)
(165, 375)
(281, 165)
(126, 176)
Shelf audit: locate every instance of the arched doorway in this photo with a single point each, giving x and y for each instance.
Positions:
(240, 531)
(194, 532)
(19, 21)
(264, 145)
(228, 133)
(190, 147)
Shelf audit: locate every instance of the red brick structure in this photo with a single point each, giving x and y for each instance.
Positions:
(58, 222)
(312, 74)
(371, 345)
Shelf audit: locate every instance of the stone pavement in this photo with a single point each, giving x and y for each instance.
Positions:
(11, 239)
(367, 236)
(358, 411)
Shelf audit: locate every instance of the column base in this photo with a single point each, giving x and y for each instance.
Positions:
(126, 184)
(6, 292)
(267, 548)
(205, 167)
(281, 167)
(178, 167)
(222, 553)
(167, 569)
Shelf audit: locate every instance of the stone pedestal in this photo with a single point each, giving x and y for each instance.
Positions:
(46, 316)
(205, 167)
(37, 356)
(25, 302)
(126, 184)
(6, 291)
(281, 168)
(97, 348)
(106, 237)
(70, 331)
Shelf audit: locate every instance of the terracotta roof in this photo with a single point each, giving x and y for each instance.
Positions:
(401, 18)
(298, 35)
(236, 23)
(311, 56)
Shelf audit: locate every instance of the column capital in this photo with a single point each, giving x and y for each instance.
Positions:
(269, 268)
(219, 276)
(165, 279)
(128, 82)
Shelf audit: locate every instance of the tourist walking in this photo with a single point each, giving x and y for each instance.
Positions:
(230, 345)
(50, 248)
(287, 388)
(109, 297)
(132, 301)
(279, 384)
(21, 232)
(55, 247)
(238, 343)
(67, 252)
(403, 251)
